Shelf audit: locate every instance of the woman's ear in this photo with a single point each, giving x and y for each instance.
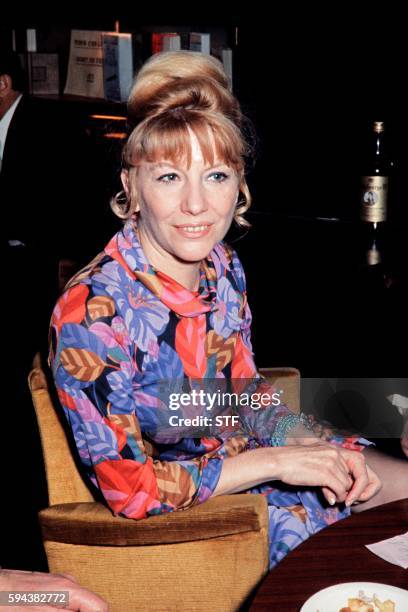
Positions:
(124, 177)
(130, 194)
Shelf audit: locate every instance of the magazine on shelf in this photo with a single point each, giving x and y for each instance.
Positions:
(85, 67)
(117, 65)
(200, 42)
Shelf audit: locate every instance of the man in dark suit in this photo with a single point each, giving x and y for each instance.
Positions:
(46, 170)
(29, 283)
(44, 220)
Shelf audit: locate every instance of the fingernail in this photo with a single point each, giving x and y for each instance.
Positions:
(350, 501)
(332, 500)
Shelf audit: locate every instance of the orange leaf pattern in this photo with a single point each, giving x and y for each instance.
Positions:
(223, 348)
(190, 342)
(82, 364)
(70, 307)
(100, 306)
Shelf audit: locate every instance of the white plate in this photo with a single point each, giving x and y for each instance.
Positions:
(335, 597)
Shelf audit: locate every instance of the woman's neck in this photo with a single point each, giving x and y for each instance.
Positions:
(184, 272)
(188, 277)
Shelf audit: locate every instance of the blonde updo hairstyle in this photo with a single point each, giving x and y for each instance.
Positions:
(173, 92)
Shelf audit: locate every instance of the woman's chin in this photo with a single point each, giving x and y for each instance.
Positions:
(194, 252)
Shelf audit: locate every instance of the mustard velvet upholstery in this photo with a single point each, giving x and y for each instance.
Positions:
(210, 556)
(63, 478)
(287, 380)
(94, 524)
(199, 576)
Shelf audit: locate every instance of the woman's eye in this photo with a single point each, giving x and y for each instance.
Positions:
(218, 177)
(168, 178)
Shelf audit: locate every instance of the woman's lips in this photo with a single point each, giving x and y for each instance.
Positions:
(194, 231)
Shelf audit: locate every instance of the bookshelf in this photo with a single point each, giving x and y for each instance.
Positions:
(55, 39)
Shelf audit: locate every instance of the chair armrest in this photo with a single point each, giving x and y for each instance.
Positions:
(94, 524)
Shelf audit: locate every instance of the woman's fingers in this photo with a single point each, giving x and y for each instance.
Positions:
(342, 474)
(330, 497)
(358, 470)
(366, 482)
(373, 486)
(339, 484)
(319, 465)
(363, 482)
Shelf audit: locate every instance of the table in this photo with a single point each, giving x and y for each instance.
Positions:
(336, 554)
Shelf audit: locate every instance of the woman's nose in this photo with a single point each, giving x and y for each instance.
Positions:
(194, 200)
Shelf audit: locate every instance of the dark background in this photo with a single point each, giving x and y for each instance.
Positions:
(311, 79)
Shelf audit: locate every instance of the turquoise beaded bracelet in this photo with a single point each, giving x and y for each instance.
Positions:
(287, 423)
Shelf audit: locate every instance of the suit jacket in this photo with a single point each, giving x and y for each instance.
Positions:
(23, 173)
(44, 189)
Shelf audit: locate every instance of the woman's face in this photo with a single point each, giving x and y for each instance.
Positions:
(184, 212)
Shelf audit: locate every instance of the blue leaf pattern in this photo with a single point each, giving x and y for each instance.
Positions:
(77, 336)
(101, 441)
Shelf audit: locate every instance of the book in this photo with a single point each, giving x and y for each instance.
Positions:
(158, 41)
(200, 42)
(85, 65)
(226, 58)
(31, 40)
(43, 73)
(171, 43)
(117, 65)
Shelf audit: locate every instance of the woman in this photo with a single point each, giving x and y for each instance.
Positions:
(167, 300)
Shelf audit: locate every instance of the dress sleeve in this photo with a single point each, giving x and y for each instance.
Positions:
(96, 375)
(262, 423)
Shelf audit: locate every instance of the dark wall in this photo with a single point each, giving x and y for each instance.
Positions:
(313, 82)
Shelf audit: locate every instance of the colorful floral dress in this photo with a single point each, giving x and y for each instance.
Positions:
(121, 326)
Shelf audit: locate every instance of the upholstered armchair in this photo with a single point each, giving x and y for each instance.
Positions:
(210, 556)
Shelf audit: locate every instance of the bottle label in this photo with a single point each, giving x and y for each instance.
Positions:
(373, 199)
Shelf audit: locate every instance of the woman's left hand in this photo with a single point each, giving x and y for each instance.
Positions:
(365, 481)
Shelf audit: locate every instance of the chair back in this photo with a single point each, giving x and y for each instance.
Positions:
(65, 484)
(286, 380)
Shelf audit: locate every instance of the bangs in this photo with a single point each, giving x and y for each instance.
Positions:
(167, 137)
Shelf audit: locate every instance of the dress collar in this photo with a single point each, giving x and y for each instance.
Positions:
(126, 249)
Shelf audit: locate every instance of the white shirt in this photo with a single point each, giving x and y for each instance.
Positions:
(5, 124)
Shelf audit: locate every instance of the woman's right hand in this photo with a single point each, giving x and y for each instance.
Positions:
(342, 474)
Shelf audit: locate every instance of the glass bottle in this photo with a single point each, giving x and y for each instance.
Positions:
(375, 182)
(373, 252)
